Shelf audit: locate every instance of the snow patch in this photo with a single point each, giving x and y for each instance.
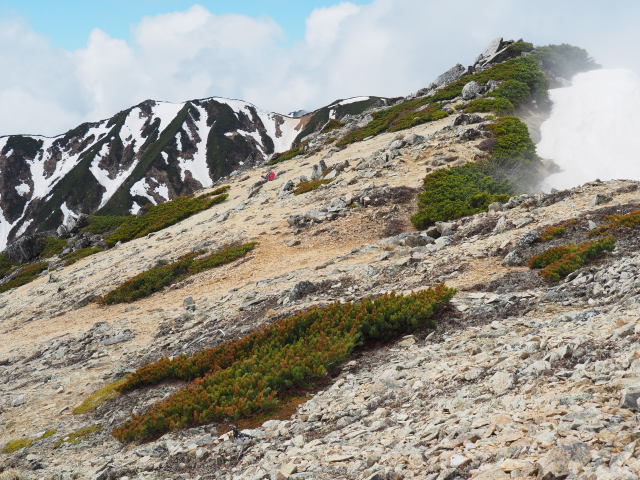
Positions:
(140, 188)
(351, 100)
(197, 165)
(135, 208)
(67, 213)
(23, 189)
(163, 191)
(23, 227)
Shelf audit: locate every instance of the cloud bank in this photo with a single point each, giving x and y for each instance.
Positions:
(593, 129)
(387, 47)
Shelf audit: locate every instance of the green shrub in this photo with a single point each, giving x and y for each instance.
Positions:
(79, 254)
(74, 438)
(456, 192)
(551, 255)
(255, 374)
(618, 221)
(294, 151)
(25, 275)
(565, 60)
(158, 277)
(403, 115)
(309, 185)
(514, 145)
(52, 246)
(514, 91)
(104, 223)
(163, 215)
(558, 262)
(430, 113)
(6, 265)
(520, 47)
(554, 231)
(332, 124)
(497, 105)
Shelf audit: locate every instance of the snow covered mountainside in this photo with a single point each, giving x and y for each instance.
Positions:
(149, 153)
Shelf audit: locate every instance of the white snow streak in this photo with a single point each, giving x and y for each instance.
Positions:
(198, 164)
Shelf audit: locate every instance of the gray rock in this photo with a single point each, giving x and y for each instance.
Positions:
(471, 90)
(415, 139)
(512, 259)
(25, 248)
(501, 382)
(301, 289)
(467, 119)
(560, 462)
(629, 398)
(522, 221)
(396, 145)
(189, 304)
(495, 207)
(599, 199)
(286, 188)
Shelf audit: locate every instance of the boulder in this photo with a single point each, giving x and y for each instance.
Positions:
(301, 289)
(471, 90)
(467, 119)
(629, 398)
(25, 248)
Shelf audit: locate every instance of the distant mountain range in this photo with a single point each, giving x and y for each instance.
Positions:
(149, 153)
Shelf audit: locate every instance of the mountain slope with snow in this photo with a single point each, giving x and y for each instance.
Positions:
(149, 153)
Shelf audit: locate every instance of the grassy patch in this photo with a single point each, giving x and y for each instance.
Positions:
(79, 254)
(258, 373)
(156, 278)
(163, 215)
(558, 262)
(104, 223)
(309, 185)
(20, 443)
(25, 275)
(98, 397)
(76, 437)
(52, 246)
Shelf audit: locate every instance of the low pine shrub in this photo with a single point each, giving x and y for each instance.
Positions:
(289, 154)
(163, 215)
(6, 265)
(456, 192)
(558, 262)
(513, 90)
(617, 222)
(554, 231)
(498, 105)
(25, 275)
(332, 124)
(52, 246)
(309, 185)
(79, 254)
(158, 277)
(255, 374)
(98, 224)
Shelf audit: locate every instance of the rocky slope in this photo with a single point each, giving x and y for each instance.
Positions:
(522, 378)
(149, 153)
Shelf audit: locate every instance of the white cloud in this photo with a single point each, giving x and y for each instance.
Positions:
(388, 47)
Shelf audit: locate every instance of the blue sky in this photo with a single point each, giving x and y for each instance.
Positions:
(67, 23)
(70, 61)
